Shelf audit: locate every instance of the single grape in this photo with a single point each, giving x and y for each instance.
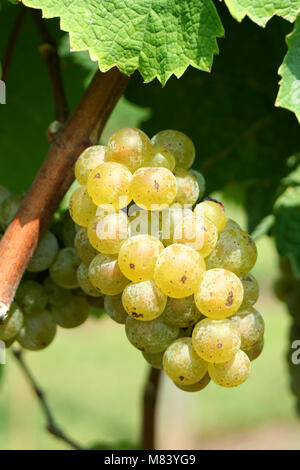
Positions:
(129, 146)
(198, 233)
(201, 182)
(255, 350)
(161, 157)
(4, 193)
(31, 297)
(45, 253)
(187, 187)
(151, 336)
(154, 359)
(82, 208)
(197, 387)
(64, 270)
(113, 306)
(72, 314)
(106, 234)
(153, 188)
(179, 144)
(220, 294)
(11, 326)
(251, 291)
(214, 211)
(85, 283)
(143, 300)
(216, 340)
(8, 209)
(178, 271)
(251, 326)
(38, 331)
(231, 373)
(182, 364)
(57, 296)
(88, 160)
(138, 256)
(232, 225)
(106, 276)
(83, 248)
(181, 312)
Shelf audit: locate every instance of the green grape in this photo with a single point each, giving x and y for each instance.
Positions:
(232, 225)
(83, 248)
(214, 211)
(178, 271)
(129, 146)
(153, 188)
(179, 144)
(181, 312)
(85, 283)
(216, 340)
(106, 234)
(201, 182)
(64, 270)
(4, 193)
(138, 256)
(11, 326)
(198, 233)
(72, 314)
(231, 373)
(109, 183)
(10, 342)
(113, 306)
(151, 336)
(235, 251)
(68, 230)
(106, 276)
(57, 296)
(182, 364)
(251, 326)
(143, 300)
(8, 209)
(154, 359)
(31, 297)
(255, 350)
(220, 294)
(38, 331)
(251, 291)
(187, 187)
(197, 387)
(45, 253)
(97, 303)
(88, 160)
(82, 208)
(161, 157)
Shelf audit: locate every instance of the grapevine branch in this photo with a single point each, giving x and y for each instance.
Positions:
(51, 425)
(12, 42)
(54, 178)
(149, 410)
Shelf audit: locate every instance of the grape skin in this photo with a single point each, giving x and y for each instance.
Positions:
(85, 283)
(72, 314)
(197, 387)
(143, 300)
(231, 373)
(88, 160)
(64, 270)
(181, 312)
(201, 182)
(152, 336)
(83, 248)
(82, 208)
(113, 306)
(251, 291)
(153, 188)
(45, 253)
(187, 187)
(179, 144)
(10, 327)
(8, 209)
(154, 359)
(213, 211)
(106, 234)
(251, 326)
(255, 350)
(161, 157)
(197, 232)
(31, 297)
(37, 332)
(105, 275)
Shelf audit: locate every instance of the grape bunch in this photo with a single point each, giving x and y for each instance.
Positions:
(49, 294)
(170, 265)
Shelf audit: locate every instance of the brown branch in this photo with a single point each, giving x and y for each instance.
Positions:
(53, 179)
(12, 42)
(51, 425)
(149, 410)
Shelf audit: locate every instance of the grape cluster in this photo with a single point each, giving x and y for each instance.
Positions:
(49, 294)
(170, 265)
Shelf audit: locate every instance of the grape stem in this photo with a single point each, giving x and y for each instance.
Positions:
(54, 178)
(51, 425)
(149, 410)
(12, 42)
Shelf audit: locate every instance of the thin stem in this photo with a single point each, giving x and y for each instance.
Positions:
(51, 425)
(12, 42)
(149, 410)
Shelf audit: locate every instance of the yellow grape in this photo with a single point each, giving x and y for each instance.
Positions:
(220, 294)
(251, 326)
(187, 187)
(129, 146)
(231, 373)
(105, 275)
(150, 336)
(73, 313)
(83, 248)
(38, 331)
(88, 160)
(143, 222)
(143, 300)
(161, 157)
(153, 188)
(138, 256)
(85, 283)
(181, 312)
(106, 234)
(255, 350)
(113, 306)
(214, 211)
(170, 218)
(81, 207)
(251, 291)
(179, 270)
(11, 326)
(182, 364)
(154, 359)
(109, 183)
(216, 340)
(197, 232)
(197, 387)
(179, 144)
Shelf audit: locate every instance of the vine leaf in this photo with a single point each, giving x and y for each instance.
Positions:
(289, 92)
(261, 11)
(157, 37)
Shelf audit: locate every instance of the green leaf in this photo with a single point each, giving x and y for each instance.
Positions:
(289, 92)
(157, 37)
(261, 11)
